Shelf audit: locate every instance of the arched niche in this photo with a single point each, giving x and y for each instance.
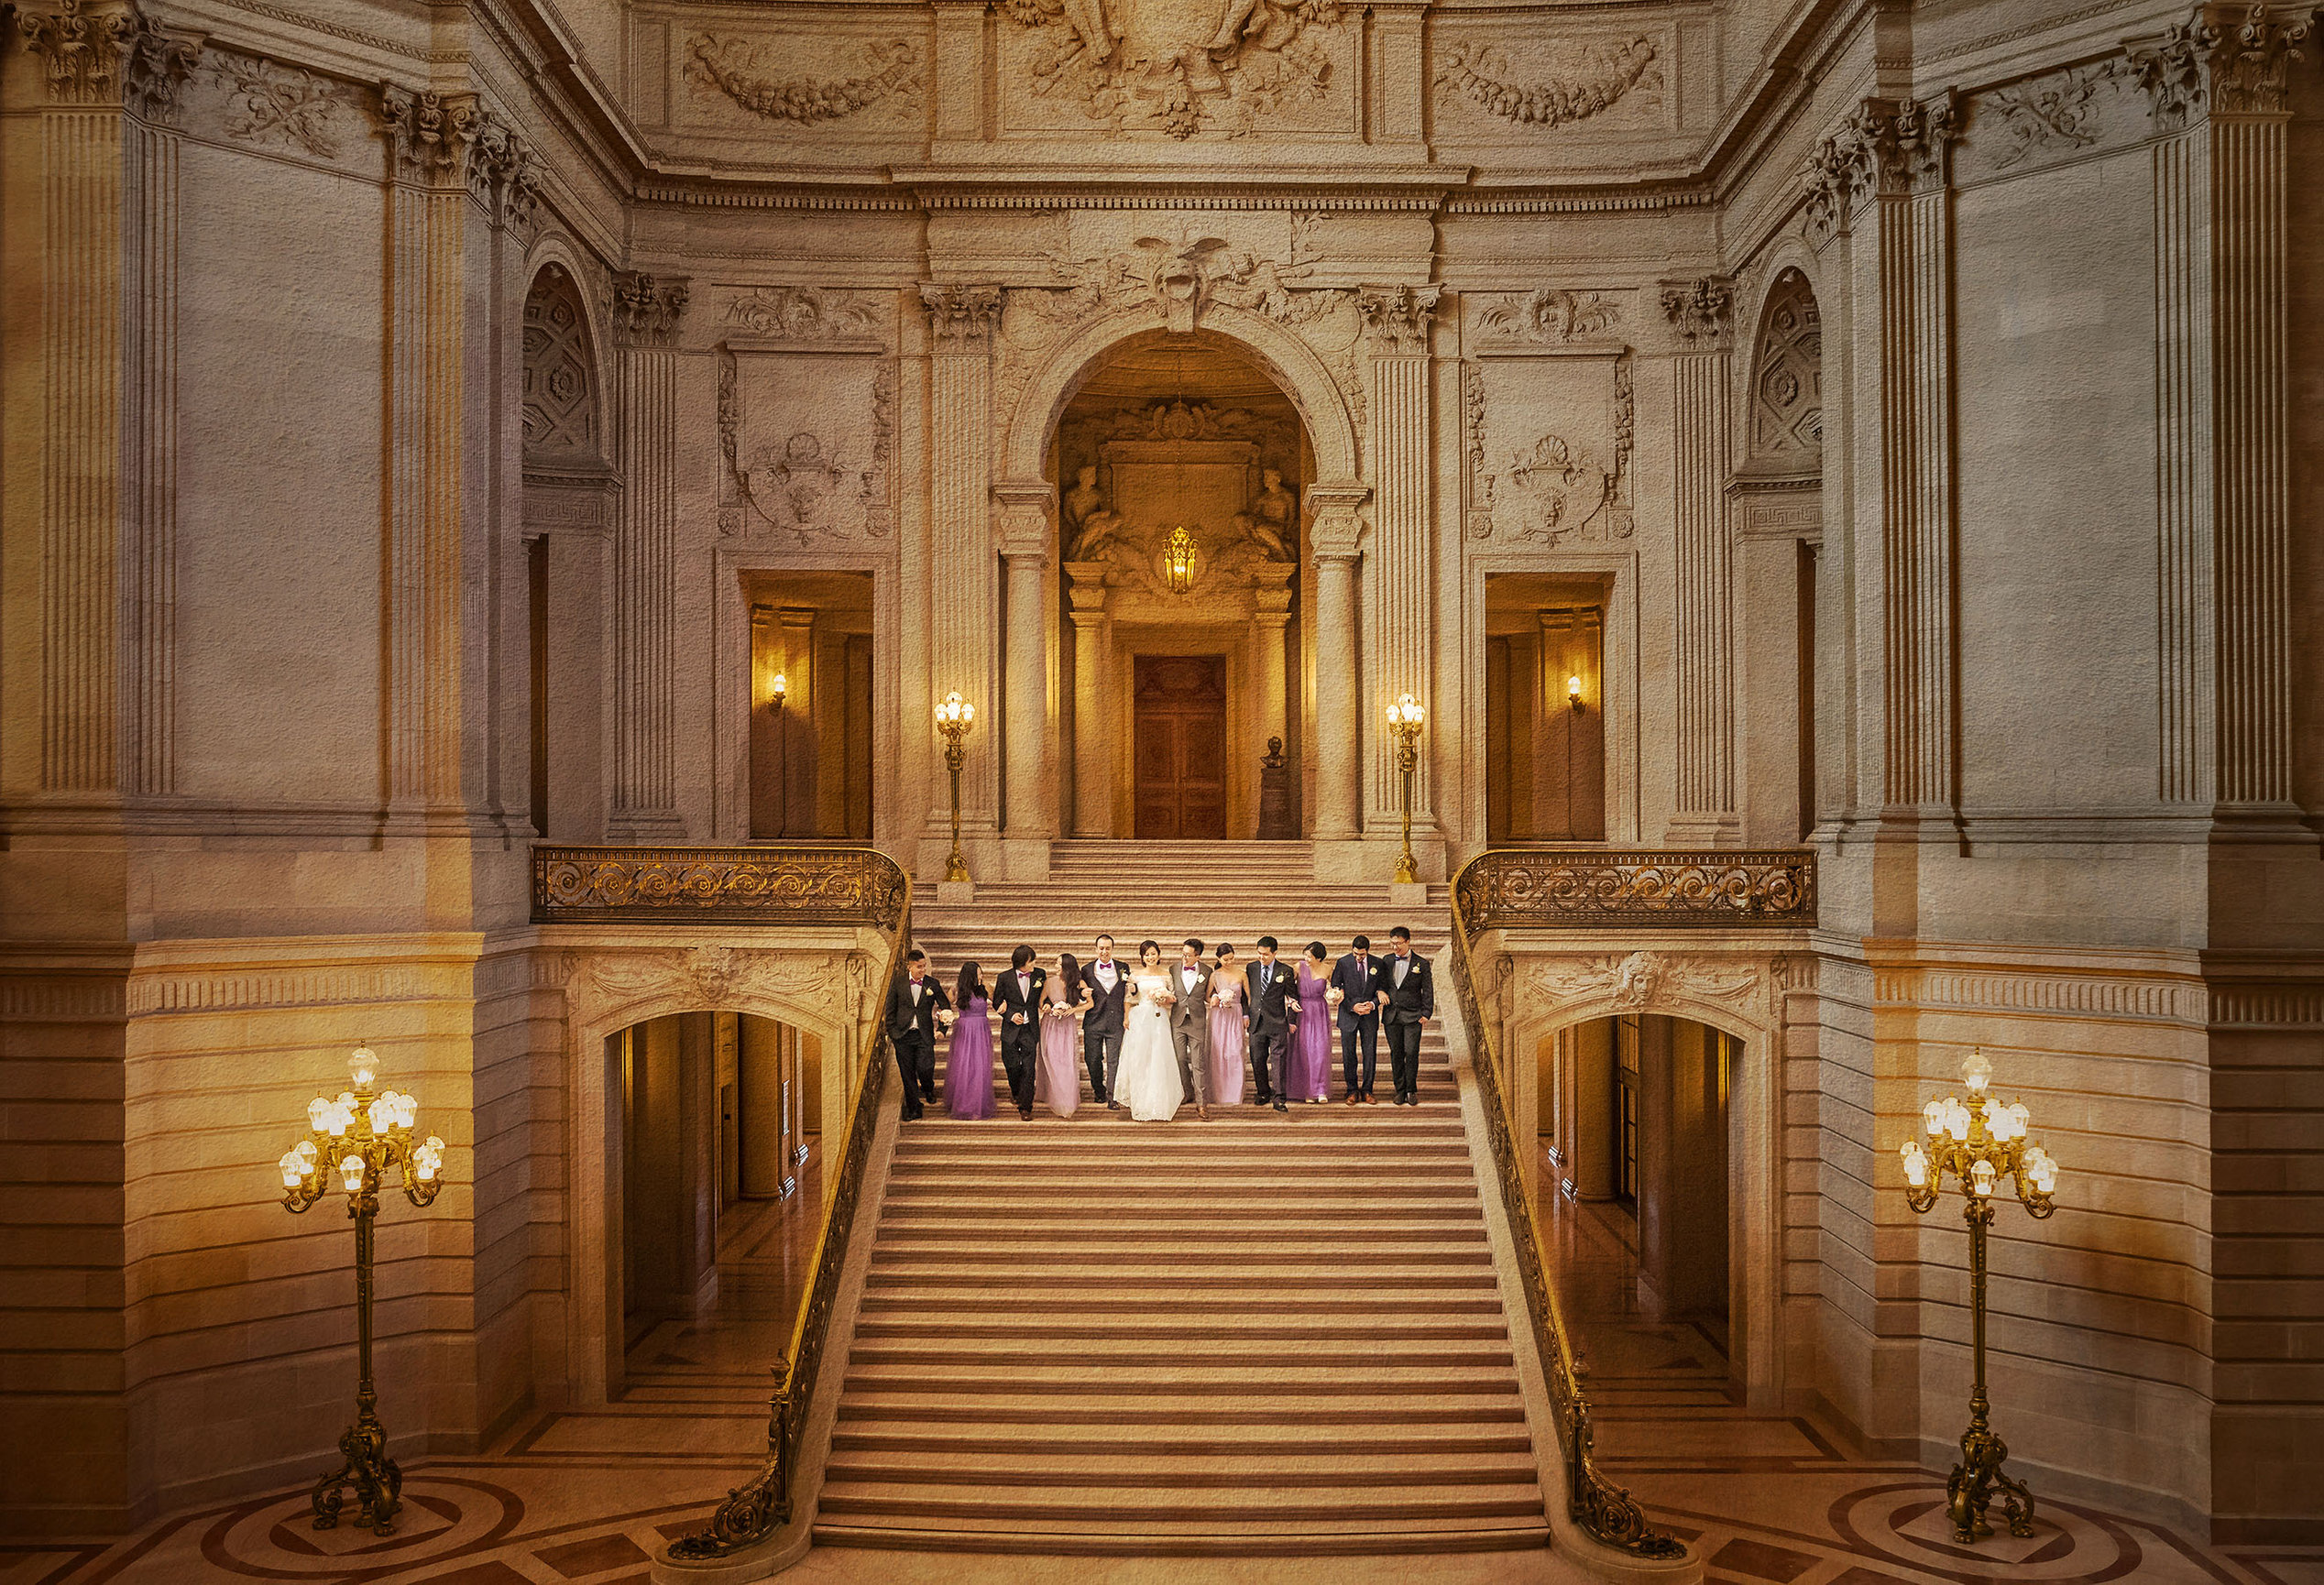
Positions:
(1294, 366)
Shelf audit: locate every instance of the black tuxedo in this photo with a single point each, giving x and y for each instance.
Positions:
(1269, 1012)
(912, 1031)
(1020, 1043)
(1402, 1007)
(1358, 979)
(1101, 1026)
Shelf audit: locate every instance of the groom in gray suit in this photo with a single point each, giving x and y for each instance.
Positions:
(1191, 1023)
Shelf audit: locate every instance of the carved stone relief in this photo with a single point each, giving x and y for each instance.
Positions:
(1547, 316)
(1644, 981)
(1563, 442)
(1543, 86)
(286, 106)
(1177, 66)
(760, 75)
(807, 438)
(809, 313)
(714, 977)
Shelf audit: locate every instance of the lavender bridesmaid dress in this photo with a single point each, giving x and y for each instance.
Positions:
(968, 1066)
(1056, 1078)
(1310, 1073)
(1228, 1043)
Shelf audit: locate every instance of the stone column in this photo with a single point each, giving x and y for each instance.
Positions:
(1334, 534)
(961, 571)
(106, 244)
(1093, 710)
(645, 315)
(1883, 180)
(1699, 311)
(2217, 86)
(1028, 811)
(1396, 650)
(1270, 616)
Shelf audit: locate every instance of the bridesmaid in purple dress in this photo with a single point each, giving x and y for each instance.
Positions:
(1057, 1076)
(1229, 1037)
(1310, 1075)
(968, 1066)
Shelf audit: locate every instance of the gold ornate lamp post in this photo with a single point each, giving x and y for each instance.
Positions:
(357, 1140)
(1979, 1141)
(1404, 720)
(953, 718)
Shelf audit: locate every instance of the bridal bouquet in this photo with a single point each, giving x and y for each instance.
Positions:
(1335, 996)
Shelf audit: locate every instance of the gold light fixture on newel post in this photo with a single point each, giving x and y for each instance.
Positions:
(1404, 720)
(356, 1141)
(953, 718)
(1980, 1142)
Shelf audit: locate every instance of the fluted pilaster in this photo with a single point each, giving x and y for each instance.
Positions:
(2217, 85)
(964, 601)
(646, 311)
(1884, 182)
(1395, 640)
(1699, 313)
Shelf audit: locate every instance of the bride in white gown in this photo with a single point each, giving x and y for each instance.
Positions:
(1147, 1080)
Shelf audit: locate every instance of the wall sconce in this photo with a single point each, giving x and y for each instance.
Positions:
(777, 689)
(1177, 561)
(1573, 693)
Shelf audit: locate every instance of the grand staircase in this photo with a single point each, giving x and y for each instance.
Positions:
(1265, 1333)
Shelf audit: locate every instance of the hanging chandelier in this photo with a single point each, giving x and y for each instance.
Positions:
(1177, 561)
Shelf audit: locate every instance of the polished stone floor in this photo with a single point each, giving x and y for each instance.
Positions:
(582, 1499)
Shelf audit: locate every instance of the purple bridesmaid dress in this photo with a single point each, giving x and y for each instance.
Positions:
(1229, 1041)
(1311, 1073)
(968, 1066)
(1056, 1078)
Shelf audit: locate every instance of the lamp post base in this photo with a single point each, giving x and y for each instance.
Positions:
(377, 1482)
(1977, 1481)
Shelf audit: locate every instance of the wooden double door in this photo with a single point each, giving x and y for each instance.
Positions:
(1179, 723)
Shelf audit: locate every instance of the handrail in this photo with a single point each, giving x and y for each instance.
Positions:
(1606, 1511)
(754, 1511)
(738, 885)
(1597, 887)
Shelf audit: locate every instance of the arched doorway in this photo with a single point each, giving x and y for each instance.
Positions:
(1640, 1141)
(568, 518)
(1183, 465)
(717, 1126)
(1779, 532)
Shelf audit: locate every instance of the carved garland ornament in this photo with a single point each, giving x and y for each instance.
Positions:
(268, 102)
(1606, 75)
(1173, 65)
(2049, 111)
(1548, 315)
(747, 71)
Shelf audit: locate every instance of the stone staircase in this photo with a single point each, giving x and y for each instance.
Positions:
(1262, 1334)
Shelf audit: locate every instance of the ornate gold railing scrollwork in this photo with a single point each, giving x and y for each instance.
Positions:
(755, 1510)
(717, 886)
(1587, 888)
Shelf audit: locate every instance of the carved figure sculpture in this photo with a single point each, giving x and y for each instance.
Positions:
(1249, 530)
(1279, 507)
(1082, 499)
(1100, 531)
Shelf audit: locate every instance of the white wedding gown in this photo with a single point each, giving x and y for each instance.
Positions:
(1146, 1081)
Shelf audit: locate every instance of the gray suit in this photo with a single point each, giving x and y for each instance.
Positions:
(1190, 1029)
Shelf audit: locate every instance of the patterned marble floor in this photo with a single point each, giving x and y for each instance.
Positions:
(583, 1499)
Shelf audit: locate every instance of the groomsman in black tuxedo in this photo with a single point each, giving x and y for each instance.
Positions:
(1356, 976)
(1107, 982)
(1408, 1000)
(1270, 1010)
(1017, 1003)
(915, 1002)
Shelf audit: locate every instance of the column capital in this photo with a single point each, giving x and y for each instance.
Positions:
(1024, 508)
(1702, 310)
(961, 317)
(1335, 524)
(1085, 592)
(2224, 60)
(1889, 147)
(646, 308)
(110, 55)
(1396, 318)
